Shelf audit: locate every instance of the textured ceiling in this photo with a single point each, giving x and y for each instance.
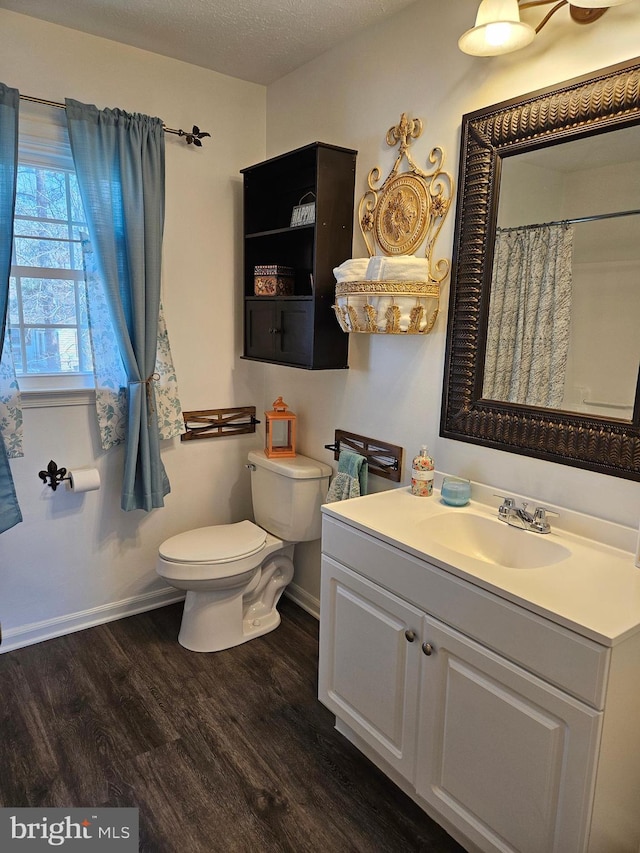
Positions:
(256, 40)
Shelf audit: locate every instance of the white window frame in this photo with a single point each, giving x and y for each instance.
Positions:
(43, 141)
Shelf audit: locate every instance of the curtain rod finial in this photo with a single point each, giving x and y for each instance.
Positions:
(192, 137)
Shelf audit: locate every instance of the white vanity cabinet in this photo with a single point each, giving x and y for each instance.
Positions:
(491, 717)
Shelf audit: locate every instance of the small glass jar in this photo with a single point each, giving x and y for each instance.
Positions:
(455, 491)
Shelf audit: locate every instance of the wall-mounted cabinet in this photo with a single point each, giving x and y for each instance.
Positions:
(298, 329)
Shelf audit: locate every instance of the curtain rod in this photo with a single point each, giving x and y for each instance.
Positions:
(593, 218)
(191, 137)
(598, 216)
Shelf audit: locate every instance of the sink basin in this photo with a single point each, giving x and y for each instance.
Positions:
(494, 541)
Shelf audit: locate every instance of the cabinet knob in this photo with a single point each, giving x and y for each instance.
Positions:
(410, 636)
(427, 648)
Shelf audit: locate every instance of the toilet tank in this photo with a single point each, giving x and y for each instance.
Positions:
(287, 495)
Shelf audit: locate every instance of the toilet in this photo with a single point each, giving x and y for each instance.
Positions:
(234, 574)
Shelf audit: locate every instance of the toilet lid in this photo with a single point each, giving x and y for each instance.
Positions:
(222, 543)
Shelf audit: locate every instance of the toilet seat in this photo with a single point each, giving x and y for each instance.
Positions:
(217, 545)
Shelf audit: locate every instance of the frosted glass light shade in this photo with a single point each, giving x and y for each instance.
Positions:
(597, 4)
(498, 29)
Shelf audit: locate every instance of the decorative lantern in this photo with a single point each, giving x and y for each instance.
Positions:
(280, 431)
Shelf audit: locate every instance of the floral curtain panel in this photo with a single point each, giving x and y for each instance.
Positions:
(10, 403)
(529, 315)
(109, 372)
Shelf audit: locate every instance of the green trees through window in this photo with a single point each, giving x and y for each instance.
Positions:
(47, 301)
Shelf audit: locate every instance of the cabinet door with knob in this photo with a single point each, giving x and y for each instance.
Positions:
(370, 656)
(502, 754)
(279, 330)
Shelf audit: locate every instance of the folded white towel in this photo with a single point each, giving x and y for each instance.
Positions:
(397, 268)
(352, 270)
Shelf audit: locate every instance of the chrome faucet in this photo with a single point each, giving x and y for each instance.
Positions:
(521, 518)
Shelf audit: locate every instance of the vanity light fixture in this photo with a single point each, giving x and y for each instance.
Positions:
(498, 28)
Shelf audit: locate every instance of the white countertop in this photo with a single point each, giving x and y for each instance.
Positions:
(595, 591)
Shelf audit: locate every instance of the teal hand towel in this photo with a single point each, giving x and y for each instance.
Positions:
(351, 479)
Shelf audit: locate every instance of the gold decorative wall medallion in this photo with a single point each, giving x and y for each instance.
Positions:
(402, 218)
(396, 217)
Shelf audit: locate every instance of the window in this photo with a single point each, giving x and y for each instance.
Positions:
(47, 299)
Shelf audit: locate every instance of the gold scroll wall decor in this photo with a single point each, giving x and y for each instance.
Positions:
(400, 292)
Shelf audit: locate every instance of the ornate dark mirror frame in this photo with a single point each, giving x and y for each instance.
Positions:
(587, 105)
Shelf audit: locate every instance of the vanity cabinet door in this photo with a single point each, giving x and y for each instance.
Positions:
(370, 663)
(506, 757)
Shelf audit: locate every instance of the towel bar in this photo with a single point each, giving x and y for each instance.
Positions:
(209, 423)
(384, 459)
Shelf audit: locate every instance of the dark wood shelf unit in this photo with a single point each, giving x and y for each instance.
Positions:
(299, 330)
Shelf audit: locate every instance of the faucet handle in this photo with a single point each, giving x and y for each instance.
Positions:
(544, 511)
(505, 507)
(540, 519)
(506, 502)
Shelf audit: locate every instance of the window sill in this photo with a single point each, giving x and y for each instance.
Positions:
(42, 399)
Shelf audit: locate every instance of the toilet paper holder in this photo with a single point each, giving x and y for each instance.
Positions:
(53, 476)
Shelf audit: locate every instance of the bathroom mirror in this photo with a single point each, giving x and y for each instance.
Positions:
(543, 347)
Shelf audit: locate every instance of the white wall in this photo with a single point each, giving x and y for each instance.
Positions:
(79, 557)
(604, 346)
(529, 193)
(351, 96)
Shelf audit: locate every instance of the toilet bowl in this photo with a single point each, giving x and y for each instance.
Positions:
(235, 574)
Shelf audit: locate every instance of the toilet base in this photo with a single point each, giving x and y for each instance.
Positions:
(214, 620)
(203, 631)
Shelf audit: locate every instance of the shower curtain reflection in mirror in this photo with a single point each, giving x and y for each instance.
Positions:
(529, 315)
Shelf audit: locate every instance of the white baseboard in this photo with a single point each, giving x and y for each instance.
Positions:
(37, 632)
(48, 629)
(303, 599)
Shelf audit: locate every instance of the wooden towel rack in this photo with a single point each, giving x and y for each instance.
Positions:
(383, 459)
(210, 423)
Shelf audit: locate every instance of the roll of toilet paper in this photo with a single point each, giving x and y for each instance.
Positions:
(84, 480)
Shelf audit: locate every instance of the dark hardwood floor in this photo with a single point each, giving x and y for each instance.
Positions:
(220, 752)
